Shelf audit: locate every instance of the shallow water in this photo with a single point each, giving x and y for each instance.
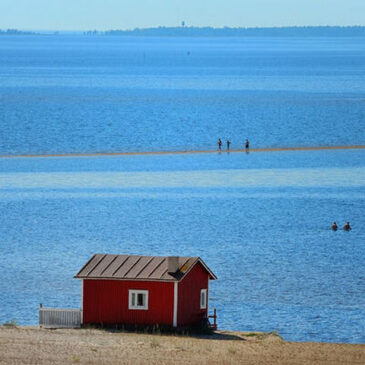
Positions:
(101, 94)
(261, 221)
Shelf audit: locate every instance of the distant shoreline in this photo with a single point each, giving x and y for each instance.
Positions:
(189, 31)
(146, 153)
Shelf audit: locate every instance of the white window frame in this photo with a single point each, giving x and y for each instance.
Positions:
(203, 298)
(135, 306)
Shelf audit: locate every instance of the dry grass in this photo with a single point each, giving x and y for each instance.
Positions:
(31, 345)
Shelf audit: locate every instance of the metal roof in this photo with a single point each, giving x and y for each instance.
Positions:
(131, 267)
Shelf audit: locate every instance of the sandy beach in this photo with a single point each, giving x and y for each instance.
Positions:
(33, 345)
(278, 149)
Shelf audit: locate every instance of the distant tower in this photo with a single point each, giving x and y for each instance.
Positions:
(183, 24)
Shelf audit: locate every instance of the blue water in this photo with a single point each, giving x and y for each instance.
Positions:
(103, 94)
(259, 220)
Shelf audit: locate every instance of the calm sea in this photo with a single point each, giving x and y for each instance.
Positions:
(100, 94)
(259, 220)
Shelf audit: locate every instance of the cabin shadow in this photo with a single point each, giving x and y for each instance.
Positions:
(218, 336)
(193, 332)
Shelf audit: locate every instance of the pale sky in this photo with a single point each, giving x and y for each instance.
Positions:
(129, 14)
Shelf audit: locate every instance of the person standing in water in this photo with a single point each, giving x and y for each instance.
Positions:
(247, 145)
(347, 227)
(334, 226)
(219, 144)
(228, 144)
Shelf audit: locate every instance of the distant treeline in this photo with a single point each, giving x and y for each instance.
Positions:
(15, 32)
(351, 31)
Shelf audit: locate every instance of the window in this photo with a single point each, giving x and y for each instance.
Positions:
(203, 299)
(138, 299)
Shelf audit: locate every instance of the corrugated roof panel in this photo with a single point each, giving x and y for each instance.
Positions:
(94, 267)
(167, 276)
(114, 266)
(127, 265)
(138, 267)
(185, 263)
(160, 270)
(103, 265)
(90, 265)
(151, 267)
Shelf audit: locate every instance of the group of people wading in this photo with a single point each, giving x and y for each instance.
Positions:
(247, 144)
(346, 227)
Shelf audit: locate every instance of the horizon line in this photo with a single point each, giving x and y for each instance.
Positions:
(183, 27)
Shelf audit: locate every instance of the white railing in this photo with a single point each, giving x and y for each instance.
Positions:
(60, 318)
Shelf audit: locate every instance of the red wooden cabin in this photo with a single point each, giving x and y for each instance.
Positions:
(145, 290)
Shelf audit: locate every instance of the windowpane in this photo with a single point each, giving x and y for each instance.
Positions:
(203, 299)
(140, 300)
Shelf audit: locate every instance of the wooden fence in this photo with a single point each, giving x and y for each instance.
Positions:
(60, 318)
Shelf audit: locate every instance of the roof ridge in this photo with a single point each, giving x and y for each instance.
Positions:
(185, 262)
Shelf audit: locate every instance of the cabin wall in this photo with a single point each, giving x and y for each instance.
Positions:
(189, 312)
(106, 302)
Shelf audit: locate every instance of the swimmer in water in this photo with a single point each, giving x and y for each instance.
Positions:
(347, 227)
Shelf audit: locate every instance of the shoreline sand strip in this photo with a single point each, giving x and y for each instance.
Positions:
(142, 153)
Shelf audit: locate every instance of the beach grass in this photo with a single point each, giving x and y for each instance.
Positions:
(33, 345)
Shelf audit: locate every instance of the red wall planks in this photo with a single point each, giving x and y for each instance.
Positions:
(189, 311)
(106, 302)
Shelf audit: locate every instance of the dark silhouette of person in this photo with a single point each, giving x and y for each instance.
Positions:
(228, 144)
(247, 144)
(219, 144)
(334, 226)
(347, 227)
